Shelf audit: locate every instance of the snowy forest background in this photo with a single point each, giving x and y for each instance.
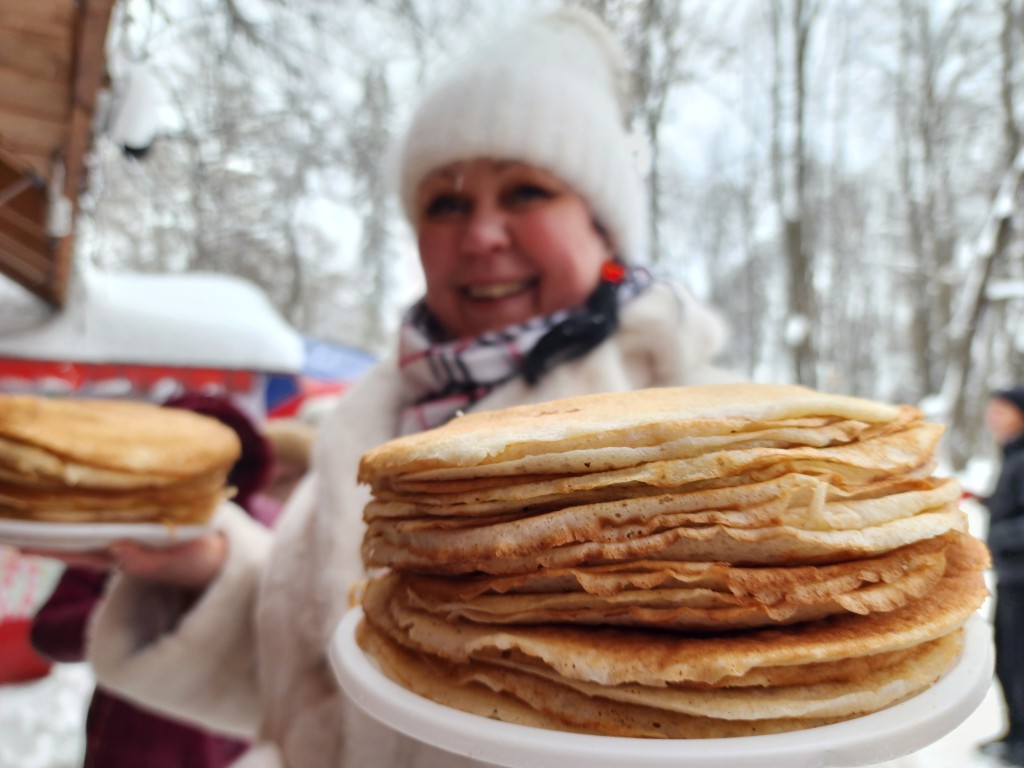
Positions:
(841, 179)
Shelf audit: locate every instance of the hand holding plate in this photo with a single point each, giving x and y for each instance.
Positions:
(192, 564)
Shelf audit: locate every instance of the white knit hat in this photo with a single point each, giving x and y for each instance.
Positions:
(551, 93)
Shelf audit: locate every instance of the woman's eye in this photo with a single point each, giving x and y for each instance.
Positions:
(526, 193)
(444, 205)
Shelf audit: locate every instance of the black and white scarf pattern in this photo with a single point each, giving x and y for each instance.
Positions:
(441, 378)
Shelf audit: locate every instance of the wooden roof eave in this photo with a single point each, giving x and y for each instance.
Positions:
(44, 270)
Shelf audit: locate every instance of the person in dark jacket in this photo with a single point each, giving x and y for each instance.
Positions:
(1004, 418)
(120, 734)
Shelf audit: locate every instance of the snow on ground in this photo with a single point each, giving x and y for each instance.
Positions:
(42, 722)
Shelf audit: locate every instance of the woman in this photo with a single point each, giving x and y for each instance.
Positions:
(517, 175)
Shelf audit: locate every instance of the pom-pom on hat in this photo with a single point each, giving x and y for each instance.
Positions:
(552, 93)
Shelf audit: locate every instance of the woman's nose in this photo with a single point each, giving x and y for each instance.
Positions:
(486, 230)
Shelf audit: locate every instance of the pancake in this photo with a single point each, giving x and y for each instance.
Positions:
(659, 594)
(882, 686)
(776, 545)
(900, 452)
(614, 656)
(653, 416)
(677, 563)
(118, 435)
(551, 707)
(817, 433)
(794, 510)
(96, 461)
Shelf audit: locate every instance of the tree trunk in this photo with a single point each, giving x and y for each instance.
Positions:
(791, 191)
(990, 248)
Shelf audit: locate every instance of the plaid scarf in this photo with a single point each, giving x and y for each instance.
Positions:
(441, 378)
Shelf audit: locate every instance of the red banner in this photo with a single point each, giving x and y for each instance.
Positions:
(78, 375)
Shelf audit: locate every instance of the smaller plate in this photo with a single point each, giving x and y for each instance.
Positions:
(885, 735)
(86, 537)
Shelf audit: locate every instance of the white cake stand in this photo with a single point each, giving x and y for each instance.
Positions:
(899, 730)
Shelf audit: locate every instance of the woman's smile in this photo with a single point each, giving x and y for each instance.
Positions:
(497, 290)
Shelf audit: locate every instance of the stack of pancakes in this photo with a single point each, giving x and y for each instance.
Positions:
(82, 460)
(683, 563)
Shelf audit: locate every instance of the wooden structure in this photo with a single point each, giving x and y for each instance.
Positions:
(52, 68)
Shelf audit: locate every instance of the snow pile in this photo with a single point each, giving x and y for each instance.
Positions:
(193, 319)
(42, 723)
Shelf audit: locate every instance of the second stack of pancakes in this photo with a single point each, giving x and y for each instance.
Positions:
(67, 460)
(682, 563)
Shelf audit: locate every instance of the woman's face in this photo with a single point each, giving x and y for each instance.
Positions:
(501, 242)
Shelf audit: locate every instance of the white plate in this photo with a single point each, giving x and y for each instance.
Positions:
(891, 733)
(84, 537)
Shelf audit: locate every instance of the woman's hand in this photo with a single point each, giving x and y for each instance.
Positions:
(192, 564)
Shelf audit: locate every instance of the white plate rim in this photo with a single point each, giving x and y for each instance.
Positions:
(69, 537)
(894, 732)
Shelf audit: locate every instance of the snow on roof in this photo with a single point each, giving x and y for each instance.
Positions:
(198, 320)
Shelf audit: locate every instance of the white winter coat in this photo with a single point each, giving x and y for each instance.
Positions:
(249, 657)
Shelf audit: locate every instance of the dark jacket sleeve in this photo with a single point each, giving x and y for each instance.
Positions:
(1006, 508)
(58, 629)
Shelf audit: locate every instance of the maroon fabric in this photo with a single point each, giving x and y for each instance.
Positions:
(58, 630)
(119, 734)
